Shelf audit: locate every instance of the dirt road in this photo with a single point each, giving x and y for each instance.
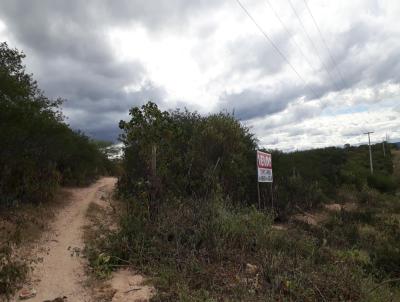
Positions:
(60, 271)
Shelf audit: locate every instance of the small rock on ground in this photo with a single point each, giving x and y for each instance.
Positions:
(27, 293)
(130, 287)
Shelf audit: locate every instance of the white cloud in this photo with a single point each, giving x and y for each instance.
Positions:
(324, 131)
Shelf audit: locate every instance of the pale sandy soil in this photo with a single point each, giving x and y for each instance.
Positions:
(60, 275)
(130, 287)
(61, 268)
(317, 217)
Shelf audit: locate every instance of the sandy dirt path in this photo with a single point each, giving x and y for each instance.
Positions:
(61, 271)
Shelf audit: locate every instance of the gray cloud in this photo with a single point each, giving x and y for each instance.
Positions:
(358, 68)
(69, 52)
(254, 53)
(250, 103)
(66, 43)
(88, 16)
(360, 57)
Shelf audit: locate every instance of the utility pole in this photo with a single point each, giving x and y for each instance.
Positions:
(384, 151)
(370, 152)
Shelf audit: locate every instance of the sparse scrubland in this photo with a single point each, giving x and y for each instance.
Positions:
(187, 213)
(192, 224)
(39, 152)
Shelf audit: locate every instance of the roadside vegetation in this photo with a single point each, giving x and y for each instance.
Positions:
(192, 223)
(308, 179)
(188, 214)
(39, 152)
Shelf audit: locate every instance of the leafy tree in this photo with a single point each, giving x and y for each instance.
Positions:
(38, 151)
(195, 155)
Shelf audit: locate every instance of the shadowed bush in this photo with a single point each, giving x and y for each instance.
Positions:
(383, 183)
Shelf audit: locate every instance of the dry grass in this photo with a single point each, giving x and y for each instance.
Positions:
(22, 224)
(102, 216)
(109, 282)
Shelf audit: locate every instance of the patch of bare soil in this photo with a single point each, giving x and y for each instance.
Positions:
(124, 286)
(311, 218)
(59, 272)
(23, 223)
(280, 226)
(130, 287)
(333, 207)
(317, 217)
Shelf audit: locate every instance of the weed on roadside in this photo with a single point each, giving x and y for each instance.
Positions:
(12, 271)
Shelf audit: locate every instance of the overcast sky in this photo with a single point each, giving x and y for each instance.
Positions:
(207, 55)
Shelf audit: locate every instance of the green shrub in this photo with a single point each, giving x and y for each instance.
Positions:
(294, 193)
(386, 259)
(383, 183)
(369, 196)
(38, 150)
(196, 156)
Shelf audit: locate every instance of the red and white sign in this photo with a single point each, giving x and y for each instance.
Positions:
(264, 167)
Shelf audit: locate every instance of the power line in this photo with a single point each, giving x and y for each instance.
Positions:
(290, 34)
(312, 44)
(324, 42)
(296, 44)
(276, 47)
